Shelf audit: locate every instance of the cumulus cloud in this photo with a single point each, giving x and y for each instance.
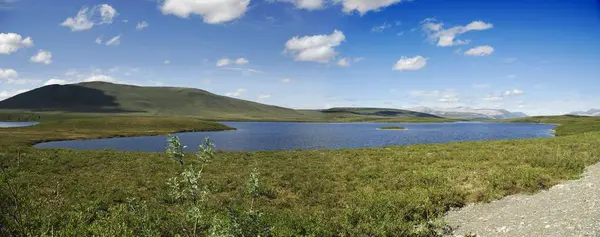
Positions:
(8, 94)
(55, 81)
(223, 62)
(114, 41)
(107, 13)
(316, 48)
(480, 51)
(414, 63)
(241, 61)
(86, 18)
(103, 78)
(264, 96)
(286, 80)
(305, 4)
(514, 92)
(141, 25)
(8, 73)
(42, 56)
(167, 62)
(364, 6)
(212, 12)
(343, 62)
(237, 93)
(11, 42)
(226, 61)
(497, 97)
(98, 40)
(447, 37)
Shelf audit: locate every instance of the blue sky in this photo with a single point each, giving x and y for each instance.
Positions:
(535, 56)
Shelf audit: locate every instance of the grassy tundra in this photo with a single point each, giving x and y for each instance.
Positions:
(394, 191)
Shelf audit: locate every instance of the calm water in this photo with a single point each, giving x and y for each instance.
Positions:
(289, 136)
(16, 124)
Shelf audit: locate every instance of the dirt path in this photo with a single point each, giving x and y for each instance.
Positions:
(568, 209)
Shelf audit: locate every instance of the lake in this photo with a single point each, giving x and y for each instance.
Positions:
(260, 136)
(17, 124)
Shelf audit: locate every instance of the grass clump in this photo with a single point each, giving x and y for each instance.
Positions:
(391, 128)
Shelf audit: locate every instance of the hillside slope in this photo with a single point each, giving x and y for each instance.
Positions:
(103, 97)
(116, 98)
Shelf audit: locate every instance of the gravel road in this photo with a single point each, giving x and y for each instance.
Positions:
(568, 209)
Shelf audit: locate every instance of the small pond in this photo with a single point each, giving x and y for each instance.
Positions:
(260, 136)
(17, 124)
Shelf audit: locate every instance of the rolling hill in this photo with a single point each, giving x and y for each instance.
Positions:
(104, 97)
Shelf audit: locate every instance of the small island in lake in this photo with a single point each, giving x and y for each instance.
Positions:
(391, 128)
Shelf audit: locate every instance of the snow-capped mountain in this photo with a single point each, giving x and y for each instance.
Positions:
(591, 112)
(469, 113)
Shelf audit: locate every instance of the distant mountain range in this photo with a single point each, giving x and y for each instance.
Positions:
(591, 112)
(469, 113)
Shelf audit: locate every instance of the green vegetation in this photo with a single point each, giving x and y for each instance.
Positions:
(102, 99)
(572, 124)
(394, 191)
(391, 128)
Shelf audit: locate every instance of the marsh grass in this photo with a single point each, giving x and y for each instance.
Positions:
(391, 128)
(390, 191)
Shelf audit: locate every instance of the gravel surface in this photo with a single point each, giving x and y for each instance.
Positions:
(568, 209)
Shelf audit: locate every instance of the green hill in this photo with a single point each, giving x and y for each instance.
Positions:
(104, 97)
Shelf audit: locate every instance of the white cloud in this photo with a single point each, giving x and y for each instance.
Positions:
(20, 81)
(11, 42)
(480, 51)
(103, 78)
(114, 41)
(492, 98)
(212, 12)
(236, 93)
(449, 98)
(241, 61)
(167, 62)
(381, 28)
(264, 97)
(55, 81)
(245, 70)
(79, 22)
(7, 94)
(305, 4)
(42, 56)
(447, 37)
(343, 62)
(98, 40)
(141, 25)
(226, 61)
(107, 13)
(223, 62)
(446, 96)
(8, 73)
(358, 59)
(414, 63)
(364, 6)
(514, 92)
(316, 48)
(286, 80)
(85, 18)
